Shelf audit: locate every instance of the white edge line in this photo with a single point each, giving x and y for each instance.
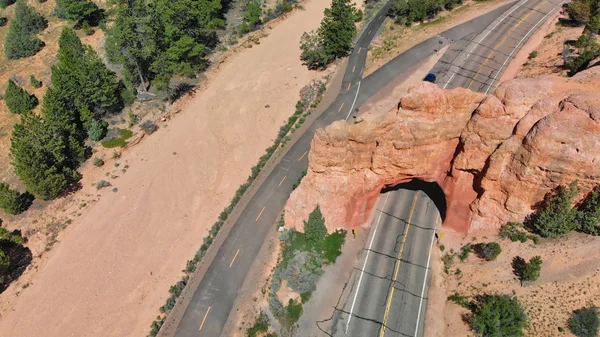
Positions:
(519, 45)
(354, 102)
(365, 263)
(424, 282)
(483, 37)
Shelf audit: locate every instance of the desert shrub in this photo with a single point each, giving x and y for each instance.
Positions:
(532, 55)
(584, 322)
(17, 99)
(488, 251)
(97, 130)
(4, 265)
(558, 217)
(35, 82)
(261, 325)
(464, 252)
(13, 202)
(3, 21)
(303, 272)
(98, 161)
(314, 228)
(499, 315)
(332, 245)
(463, 301)
(149, 127)
(527, 271)
(511, 231)
(102, 184)
(293, 312)
(448, 260)
(6, 3)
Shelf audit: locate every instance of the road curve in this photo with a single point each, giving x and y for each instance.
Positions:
(213, 299)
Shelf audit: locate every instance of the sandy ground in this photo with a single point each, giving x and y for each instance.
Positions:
(548, 43)
(570, 280)
(395, 39)
(113, 266)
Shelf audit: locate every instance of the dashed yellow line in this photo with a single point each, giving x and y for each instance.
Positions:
(204, 319)
(341, 106)
(353, 68)
(232, 260)
(281, 182)
(304, 154)
(259, 214)
(397, 268)
(349, 86)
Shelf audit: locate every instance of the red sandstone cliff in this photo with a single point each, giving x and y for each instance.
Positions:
(494, 156)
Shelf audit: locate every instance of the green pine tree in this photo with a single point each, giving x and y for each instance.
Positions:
(132, 41)
(333, 39)
(31, 21)
(314, 228)
(79, 11)
(558, 217)
(588, 218)
(6, 3)
(20, 39)
(41, 157)
(17, 99)
(11, 201)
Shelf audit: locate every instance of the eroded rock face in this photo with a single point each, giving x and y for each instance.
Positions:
(494, 156)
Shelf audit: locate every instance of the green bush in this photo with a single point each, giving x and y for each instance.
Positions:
(527, 271)
(97, 130)
(511, 231)
(261, 325)
(79, 11)
(332, 245)
(584, 322)
(102, 184)
(588, 217)
(6, 3)
(293, 311)
(464, 252)
(488, 251)
(499, 315)
(17, 99)
(3, 21)
(448, 260)
(532, 55)
(297, 183)
(13, 202)
(98, 161)
(558, 217)
(35, 82)
(463, 301)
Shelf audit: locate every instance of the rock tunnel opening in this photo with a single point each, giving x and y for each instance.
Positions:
(431, 189)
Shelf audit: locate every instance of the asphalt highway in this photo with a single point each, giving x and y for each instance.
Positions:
(213, 300)
(388, 294)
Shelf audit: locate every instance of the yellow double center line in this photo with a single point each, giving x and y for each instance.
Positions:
(487, 57)
(397, 267)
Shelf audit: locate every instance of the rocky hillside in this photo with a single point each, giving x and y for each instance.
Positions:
(495, 156)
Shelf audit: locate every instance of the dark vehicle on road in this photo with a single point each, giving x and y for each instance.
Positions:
(430, 78)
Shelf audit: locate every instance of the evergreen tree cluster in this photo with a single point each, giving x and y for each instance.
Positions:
(585, 12)
(10, 244)
(409, 11)
(21, 40)
(559, 216)
(334, 37)
(498, 315)
(154, 40)
(47, 149)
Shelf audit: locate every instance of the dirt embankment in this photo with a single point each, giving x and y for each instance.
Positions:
(114, 263)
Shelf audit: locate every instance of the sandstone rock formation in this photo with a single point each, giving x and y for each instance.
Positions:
(494, 156)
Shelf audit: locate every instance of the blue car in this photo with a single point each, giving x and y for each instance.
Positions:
(430, 78)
